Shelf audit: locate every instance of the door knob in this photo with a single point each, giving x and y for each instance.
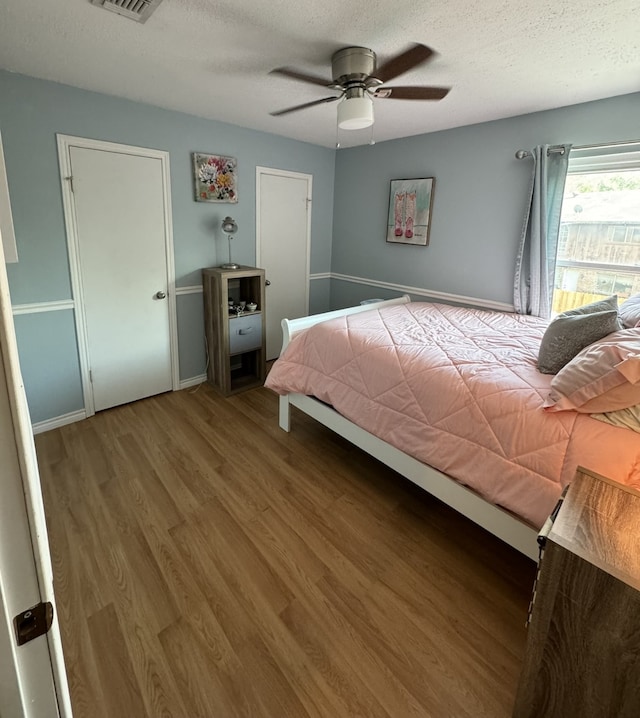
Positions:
(160, 295)
(267, 283)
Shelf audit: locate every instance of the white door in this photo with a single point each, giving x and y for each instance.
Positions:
(283, 238)
(120, 221)
(33, 673)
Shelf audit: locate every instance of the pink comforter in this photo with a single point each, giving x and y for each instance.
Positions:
(457, 389)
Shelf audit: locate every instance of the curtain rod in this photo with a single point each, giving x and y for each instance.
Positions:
(521, 154)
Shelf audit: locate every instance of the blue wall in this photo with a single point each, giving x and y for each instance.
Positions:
(31, 113)
(478, 205)
(477, 213)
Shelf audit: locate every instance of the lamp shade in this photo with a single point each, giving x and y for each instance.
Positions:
(354, 113)
(229, 225)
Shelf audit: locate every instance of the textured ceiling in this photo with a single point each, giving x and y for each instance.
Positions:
(212, 58)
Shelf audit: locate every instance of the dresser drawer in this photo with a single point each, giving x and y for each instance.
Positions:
(245, 333)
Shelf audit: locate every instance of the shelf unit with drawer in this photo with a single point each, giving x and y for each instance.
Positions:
(235, 342)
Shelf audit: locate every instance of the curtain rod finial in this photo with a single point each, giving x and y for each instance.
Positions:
(521, 154)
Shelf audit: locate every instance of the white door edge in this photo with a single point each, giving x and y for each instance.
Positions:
(7, 232)
(65, 143)
(39, 534)
(27, 461)
(293, 175)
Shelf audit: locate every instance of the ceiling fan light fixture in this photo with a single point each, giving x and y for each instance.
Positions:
(355, 113)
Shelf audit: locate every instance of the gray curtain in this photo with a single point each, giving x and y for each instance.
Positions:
(536, 263)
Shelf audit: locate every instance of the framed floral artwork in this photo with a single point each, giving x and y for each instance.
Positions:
(409, 219)
(215, 178)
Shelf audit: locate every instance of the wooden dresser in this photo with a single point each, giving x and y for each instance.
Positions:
(583, 649)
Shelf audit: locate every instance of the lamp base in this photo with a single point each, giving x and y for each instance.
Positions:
(229, 265)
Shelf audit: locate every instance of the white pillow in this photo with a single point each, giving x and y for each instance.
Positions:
(603, 377)
(630, 311)
(626, 418)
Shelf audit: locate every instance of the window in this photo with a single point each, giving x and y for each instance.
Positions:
(599, 241)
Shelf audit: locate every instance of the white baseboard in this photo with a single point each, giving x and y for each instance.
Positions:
(41, 426)
(193, 381)
(58, 421)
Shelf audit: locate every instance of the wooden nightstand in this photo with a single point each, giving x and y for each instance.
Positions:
(235, 342)
(583, 649)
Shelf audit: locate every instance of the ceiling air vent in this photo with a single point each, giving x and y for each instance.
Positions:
(138, 10)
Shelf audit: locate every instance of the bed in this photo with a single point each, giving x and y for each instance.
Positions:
(451, 399)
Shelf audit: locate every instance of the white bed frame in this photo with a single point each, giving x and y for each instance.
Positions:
(499, 522)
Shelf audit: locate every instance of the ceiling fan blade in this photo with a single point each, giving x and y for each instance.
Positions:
(407, 60)
(303, 107)
(412, 93)
(294, 74)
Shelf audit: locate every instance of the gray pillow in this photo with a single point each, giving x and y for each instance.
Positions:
(573, 330)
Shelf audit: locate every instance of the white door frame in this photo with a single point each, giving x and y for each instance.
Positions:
(65, 143)
(32, 677)
(7, 233)
(293, 175)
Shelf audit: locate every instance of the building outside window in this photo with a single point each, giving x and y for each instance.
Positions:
(599, 242)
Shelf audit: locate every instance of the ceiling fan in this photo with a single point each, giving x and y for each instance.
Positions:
(358, 80)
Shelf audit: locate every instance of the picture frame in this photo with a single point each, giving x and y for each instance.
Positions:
(215, 178)
(410, 205)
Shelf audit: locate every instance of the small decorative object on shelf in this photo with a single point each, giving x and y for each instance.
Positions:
(235, 327)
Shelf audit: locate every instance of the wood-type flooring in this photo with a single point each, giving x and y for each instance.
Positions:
(209, 565)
